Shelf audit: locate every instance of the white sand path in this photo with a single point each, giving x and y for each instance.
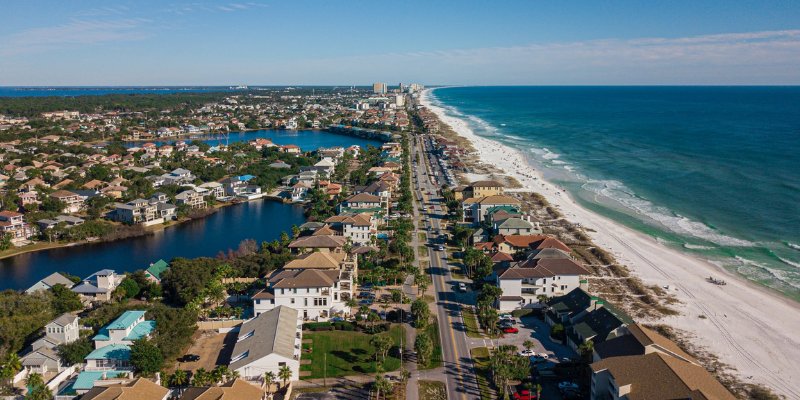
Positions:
(746, 326)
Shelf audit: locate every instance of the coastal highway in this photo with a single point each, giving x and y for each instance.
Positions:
(459, 370)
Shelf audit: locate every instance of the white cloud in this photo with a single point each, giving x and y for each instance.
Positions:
(76, 32)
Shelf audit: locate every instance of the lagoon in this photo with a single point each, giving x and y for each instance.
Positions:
(261, 220)
(306, 139)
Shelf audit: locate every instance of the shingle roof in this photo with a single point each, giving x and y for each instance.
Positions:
(304, 278)
(659, 376)
(327, 241)
(139, 389)
(270, 332)
(486, 184)
(234, 390)
(315, 260)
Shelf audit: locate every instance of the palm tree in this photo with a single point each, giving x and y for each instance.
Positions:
(351, 303)
(285, 373)
(37, 390)
(179, 378)
(382, 385)
(200, 377)
(528, 344)
(269, 380)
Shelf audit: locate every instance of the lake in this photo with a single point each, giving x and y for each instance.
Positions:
(307, 139)
(261, 220)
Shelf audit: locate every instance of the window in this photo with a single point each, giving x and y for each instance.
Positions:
(258, 301)
(245, 336)
(281, 364)
(292, 300)
(305, 301)
(240, 357)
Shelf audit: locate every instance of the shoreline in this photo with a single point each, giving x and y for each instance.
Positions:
(148, 230)
(735, 315)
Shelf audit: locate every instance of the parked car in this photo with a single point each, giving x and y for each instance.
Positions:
(541, 357)
(365, 302)
(510, 329)
(189, 358)
(506, 316)
(337, 319)
(439, 248)
(524, 395)
(527, 353)
(462, 287)
(566, 385)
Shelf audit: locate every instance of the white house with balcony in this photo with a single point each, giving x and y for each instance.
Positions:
(267, 343)
(316, 284)
(523, 283)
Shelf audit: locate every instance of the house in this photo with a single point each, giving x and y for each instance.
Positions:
(88, 379)
(140, 388)
(639, 340)
(51, 280)
(237, 185)
(127, 328)
(476, 208)
(523, 283)
(99, 285)
(191, 198)
(68, 220)
(515, 226)
(13, 224)
(73, 202)
(598, 325)
(62, 330)
(299, 191)
(214, 189)
(326, 166)
(359, 228)
(361, 201)
(139, 211)
(111, 357)
(654, 376)
(317, 293)
(42, 360)
(154, 271)
(236, 389)
(280, 165)
(268, 342)
(178, 176)
(323, 243)
(512, 244)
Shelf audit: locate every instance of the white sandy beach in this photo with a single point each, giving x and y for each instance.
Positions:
(746, 326)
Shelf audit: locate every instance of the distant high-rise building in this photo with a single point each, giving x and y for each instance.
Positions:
(379, 88)
(400, 85)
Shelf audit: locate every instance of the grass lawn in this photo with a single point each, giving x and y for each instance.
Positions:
(455, 272)
(480, 355)
(433, 390)
(436, 356)
(470, 322)
(348, 353)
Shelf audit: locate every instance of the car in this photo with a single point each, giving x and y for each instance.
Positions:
(510, 329)
(337, 319)
(524, 395)
(541, 357)
(506, 316)
(462, 287)
(566, 385)
(365, 302)
(365, 295)
(439, 248)
(189, 358)
(505, 324)
(527, 353)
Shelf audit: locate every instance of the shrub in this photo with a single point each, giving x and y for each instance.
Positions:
(318, 326)
(344, 326)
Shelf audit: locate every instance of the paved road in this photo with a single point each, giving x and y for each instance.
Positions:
(458, 367)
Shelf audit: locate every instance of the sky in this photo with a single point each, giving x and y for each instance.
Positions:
(433, 42)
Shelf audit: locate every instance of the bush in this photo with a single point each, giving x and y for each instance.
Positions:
(377, 328)
(344, 326)
(318, 326)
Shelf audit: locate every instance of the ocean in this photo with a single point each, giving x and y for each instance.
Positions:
(712, 171)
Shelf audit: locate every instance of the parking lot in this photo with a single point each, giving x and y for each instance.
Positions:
(536, 330)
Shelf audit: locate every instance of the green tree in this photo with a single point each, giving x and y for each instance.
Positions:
(75, 352)
(382, 385)
(285, 373)
(5, 241)
(269, 380)
(421, 313)
(65, 300)
(146, 357)
(37, 389)
(382, 343)
(423, 345)
(130, 287)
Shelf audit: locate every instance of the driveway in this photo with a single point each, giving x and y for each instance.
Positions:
(532, 328)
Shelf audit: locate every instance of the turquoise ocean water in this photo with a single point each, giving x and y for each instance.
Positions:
(712, 171)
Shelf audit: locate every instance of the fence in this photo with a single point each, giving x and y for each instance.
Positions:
(215, 325)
